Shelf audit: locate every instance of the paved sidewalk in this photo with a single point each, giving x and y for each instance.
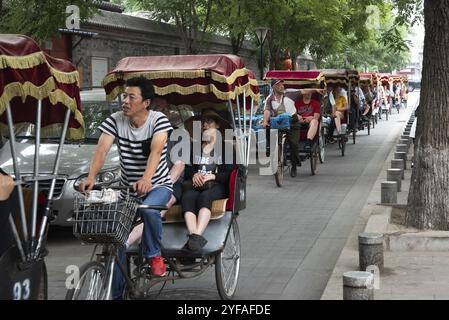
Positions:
(408, 275)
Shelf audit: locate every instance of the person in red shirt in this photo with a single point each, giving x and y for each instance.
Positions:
(308, 111)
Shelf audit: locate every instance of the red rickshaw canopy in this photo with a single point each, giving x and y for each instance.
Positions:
(298, 79)
(187, 79)
(27, 74)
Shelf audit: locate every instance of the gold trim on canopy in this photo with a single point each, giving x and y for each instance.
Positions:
(188, 74)
(35, 59)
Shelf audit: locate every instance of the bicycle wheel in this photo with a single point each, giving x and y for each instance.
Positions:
(279, 175)
(313, 160)
(369, 127)
(321, 152)
(91, 284)
(43, 287)
(354, 132)
(342, 145)
(227, 264)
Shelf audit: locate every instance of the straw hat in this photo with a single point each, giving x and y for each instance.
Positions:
(207, 114)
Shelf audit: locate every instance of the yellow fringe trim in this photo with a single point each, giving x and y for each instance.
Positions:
(35, 59)
(152, 75)
(17, 89)
(204, 89)
(47, 131)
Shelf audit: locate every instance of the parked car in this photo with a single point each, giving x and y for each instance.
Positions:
(75, 158)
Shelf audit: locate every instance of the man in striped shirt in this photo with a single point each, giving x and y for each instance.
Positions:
(141, 137)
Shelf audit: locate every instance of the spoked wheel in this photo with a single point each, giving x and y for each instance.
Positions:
(314, 159)
(279, 175)
(227, 264)
(354, 132)
(386, 114)
(321, 152)
(342, 145)
(91, 284)
(43, 287)
(369, 127)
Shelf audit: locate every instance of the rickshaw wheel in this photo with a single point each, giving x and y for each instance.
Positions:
(227, 264)
(369, 127)
(354, 132)
(43, 288)
(92, 278)
(342, 146)
(314, 159)
(279, 175)
(321, 152)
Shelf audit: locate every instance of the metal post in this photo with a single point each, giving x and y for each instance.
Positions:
(53, 183)
(36, 171)
(12, 142)
(241, 137)
(250, 131)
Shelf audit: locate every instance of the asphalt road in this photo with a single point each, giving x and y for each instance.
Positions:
(291, 237)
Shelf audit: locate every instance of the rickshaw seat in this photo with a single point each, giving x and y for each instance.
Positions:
(174, 214)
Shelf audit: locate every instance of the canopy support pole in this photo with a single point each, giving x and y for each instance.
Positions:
(250, 131)
(17, 237)
(53, 183)
(241, 136)
(12, 141)
(36, 171)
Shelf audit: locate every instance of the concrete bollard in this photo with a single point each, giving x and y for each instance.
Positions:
(405, 137)
(405, 141)
(407, 132)
(402, 148)
(389, 192)
(403, 157)
(358, 285)
(395, 175)
(398, 164)
(371, 251)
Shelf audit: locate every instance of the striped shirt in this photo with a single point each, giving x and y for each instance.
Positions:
(134, 147)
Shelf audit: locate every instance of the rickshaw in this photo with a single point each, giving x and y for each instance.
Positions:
(341, 77)
(386, 81)
(39, 96)
(366, 80)
(404, 90)
(397, 95)
(200, 81)
(375, 81)
(299, 80)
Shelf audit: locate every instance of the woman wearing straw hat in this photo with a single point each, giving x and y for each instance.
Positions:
(207, 178)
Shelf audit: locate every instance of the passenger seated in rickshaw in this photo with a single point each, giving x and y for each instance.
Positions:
(340, 108)
(358, 106)
(206, 178)
(369, 96)
(308, 113)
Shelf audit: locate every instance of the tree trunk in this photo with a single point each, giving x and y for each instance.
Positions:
(428, 200)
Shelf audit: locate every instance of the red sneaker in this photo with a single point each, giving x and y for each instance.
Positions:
(157, 265)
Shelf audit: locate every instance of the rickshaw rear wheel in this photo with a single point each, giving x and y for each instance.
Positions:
(279, 175)
(227, 264)
(43, 288)
(354, 132)
(95, 285)
(369, 127)
(314, 159)
(321, 152)
(342, 146)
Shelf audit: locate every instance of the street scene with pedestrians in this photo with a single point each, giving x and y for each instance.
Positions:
(224, 150)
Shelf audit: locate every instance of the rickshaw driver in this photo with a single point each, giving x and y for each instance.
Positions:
(309, 113)
(283, 101)
(142, 142)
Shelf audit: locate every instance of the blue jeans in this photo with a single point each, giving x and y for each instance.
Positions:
(152, 235)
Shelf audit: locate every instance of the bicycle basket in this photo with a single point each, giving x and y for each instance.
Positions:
(103, 221)
(281, 122)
